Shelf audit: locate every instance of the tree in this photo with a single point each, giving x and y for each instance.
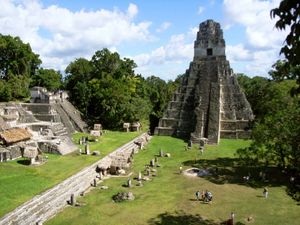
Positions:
(5, 91)
(16, 58)
(289, 17)
(19, 86)
(17, 64)
(282, 70)
(276, 135)
(159, 93)
(105, 89)
(257, 91)
(76, 82)
(48, 78)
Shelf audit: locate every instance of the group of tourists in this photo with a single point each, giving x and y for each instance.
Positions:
(205, 196)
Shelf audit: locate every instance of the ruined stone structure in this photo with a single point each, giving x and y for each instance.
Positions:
(49, 203)
(209, 102)
(50, 119)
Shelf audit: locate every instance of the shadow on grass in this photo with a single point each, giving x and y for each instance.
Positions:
(180, 218)
(227, 170)
(24, 162)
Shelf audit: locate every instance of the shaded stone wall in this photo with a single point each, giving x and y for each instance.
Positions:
(10, 153)
(47, 204)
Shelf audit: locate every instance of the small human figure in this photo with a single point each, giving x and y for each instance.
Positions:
(246, 178)
(197, 195)
(232, 215)
(231, 219)
(292, 179)
(208, 196)
(201, 146)
(190, 143)
(203, 195)
(201, 150)
(265, 192)
(180, 169)
(129, 182)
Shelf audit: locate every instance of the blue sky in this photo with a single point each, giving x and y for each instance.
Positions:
(158, 35)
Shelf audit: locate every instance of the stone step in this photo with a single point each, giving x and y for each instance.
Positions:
(62, 132)
(164, 131)
(64, 118)
(169, 122)
(74, 114)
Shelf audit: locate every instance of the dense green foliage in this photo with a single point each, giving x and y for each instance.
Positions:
(159, 93)
(48, 78)
(275, 135)
(17, 64)
(288, 12)
(257, 91)
(16, 58)
(106, 89)
(277, 127)
(19, 70)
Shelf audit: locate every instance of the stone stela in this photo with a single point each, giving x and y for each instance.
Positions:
(209, 102)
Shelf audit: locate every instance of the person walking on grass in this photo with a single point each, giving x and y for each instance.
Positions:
(180, 169)
(231, 219)
(198, 195)
(266, 192)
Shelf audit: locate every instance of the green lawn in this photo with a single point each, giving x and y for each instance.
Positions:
(169, 198)
(19, 182)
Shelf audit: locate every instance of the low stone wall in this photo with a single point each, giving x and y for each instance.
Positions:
(46, 205)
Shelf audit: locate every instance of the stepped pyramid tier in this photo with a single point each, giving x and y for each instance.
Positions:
(50, 119)
(209, 102)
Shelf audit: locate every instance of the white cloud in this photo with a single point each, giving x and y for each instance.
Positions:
(262, 39)
(171, 58)
(261, 59)
(177, 50)
(200, 10)
(193, 33)
(238, 53)
(60, 35)
(164, 26)
(254, 15)
(132, 10)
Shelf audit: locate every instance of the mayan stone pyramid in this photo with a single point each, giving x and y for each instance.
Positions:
(209, 103)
